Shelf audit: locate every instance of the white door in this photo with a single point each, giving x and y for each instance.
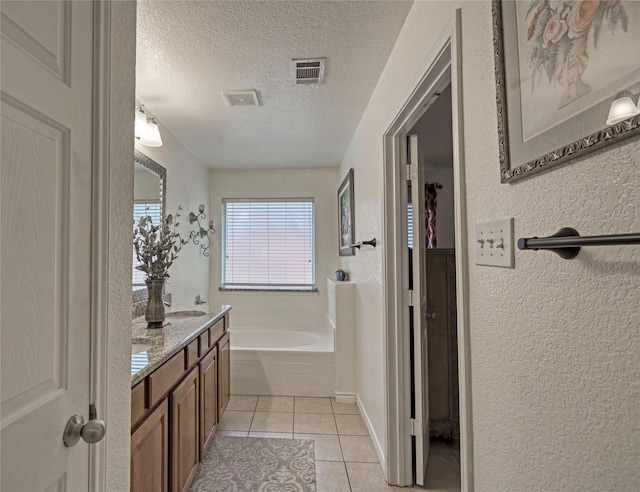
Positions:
(419, 296)
(45, 241)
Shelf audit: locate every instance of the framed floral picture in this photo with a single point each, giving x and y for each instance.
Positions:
(346, 216)
(558, 66)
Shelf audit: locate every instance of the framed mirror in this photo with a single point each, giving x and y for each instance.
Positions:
(149, 198)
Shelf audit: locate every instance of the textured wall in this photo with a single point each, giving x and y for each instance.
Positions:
(123, 59)
(304, 309)
(187, 185)
(554, 343)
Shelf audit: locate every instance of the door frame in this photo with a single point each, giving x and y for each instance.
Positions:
(100, 239)
(443, 63)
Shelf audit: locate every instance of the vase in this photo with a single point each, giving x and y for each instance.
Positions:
(572, 65)
(154, 315)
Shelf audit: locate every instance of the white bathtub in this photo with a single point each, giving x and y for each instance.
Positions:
(286, 362)
(281, 340)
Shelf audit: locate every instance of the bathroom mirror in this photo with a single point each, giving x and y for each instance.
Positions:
(149, 198)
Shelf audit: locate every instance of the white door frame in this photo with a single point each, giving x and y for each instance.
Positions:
(100, 236)
(444, 62)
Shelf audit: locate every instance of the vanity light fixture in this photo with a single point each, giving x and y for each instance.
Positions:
(199, 236)
(152, 138)
(141, 127)
(146, 129)
(622, 107)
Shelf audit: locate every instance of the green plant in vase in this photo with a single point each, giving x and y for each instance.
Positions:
(156, 247)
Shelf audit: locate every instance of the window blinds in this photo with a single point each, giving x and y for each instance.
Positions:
(140, 209)
(268, 243)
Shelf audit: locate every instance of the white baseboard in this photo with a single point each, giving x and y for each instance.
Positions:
(343, 397)
(374, 437)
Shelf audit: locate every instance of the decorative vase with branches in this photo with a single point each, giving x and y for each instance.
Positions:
(156, 247)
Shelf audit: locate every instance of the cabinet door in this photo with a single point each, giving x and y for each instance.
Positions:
(150, 452)
(184, 432)
(224, 374)
(208, 399)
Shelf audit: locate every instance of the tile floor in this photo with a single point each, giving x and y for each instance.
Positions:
(345, 457)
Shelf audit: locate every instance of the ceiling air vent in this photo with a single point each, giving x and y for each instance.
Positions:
(307, 71)
(241, 98)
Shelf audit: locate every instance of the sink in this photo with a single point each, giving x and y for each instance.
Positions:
(185, 314)
(136, 348)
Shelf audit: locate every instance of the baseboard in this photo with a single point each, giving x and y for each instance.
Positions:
(343, 397)
(374, 437)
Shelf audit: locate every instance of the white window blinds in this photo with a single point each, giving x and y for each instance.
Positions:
(268, 243)
(142, 208)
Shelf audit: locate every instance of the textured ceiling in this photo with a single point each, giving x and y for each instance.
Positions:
(189, 51)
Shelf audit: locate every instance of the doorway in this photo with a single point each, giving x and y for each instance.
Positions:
(406, 308)
(433, 312)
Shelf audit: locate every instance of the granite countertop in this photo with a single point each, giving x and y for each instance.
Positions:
(168, 340)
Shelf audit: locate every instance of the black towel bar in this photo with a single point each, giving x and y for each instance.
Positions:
(567, 242)
(362, 243)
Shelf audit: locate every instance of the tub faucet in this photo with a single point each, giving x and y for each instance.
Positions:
(199, 301)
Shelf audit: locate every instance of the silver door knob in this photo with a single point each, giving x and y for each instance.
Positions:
(91, 432)
(431, 315)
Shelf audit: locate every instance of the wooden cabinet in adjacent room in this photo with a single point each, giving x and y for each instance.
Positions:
(224, 373)
(208, 398)
(150, 452)
(442, 343)
(185, 439)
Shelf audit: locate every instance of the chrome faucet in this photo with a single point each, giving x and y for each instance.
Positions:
(199, 301)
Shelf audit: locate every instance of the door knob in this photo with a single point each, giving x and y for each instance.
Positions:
(91, 432)
(431, 315)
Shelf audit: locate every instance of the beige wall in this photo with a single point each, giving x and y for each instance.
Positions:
(273, 309)
(187, 185)
(122, 87)
(554, 343)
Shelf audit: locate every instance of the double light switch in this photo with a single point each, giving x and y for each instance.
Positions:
(494, 244)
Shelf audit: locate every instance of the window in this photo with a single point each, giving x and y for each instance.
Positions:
(140, 209)
(268, 244)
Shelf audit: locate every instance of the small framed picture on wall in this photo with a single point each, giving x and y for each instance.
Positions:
(346, 216)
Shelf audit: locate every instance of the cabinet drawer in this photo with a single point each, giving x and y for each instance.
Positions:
(203, 343)
(216, 331)
(166, 377)
(191, 352)
(138, 407)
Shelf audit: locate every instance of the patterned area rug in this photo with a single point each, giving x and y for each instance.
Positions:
(246, 464)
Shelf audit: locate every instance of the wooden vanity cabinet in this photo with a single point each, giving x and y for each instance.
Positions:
(208, 399)
(185, 446)
(224, 373)
(175, 411)
(150, 452)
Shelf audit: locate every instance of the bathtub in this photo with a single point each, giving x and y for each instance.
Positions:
(287, 362)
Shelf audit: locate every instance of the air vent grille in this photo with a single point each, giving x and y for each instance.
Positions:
(241, 98)
(307, 71)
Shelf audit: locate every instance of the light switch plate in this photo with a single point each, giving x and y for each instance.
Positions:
(494, 243)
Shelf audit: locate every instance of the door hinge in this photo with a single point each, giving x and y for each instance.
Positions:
(412, 172)
(415, 428)
(410, 298)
